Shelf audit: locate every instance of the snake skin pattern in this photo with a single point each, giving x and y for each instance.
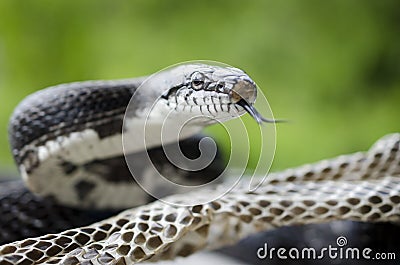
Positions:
(362, 187)
(24, 214)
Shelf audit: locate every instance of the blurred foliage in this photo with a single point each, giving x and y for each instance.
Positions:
(331, 67)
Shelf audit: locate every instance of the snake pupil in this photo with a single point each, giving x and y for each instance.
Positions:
(197, 83)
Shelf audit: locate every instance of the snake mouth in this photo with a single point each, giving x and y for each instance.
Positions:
(250, 109)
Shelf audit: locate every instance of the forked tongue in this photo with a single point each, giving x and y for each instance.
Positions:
(254, 113)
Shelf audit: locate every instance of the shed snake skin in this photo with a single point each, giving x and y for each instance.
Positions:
(363, 186)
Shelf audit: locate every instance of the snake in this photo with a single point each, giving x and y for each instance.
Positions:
(67, 143)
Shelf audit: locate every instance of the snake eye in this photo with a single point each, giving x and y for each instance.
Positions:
(197, 82)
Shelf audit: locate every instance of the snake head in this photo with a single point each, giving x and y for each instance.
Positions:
(216, 92)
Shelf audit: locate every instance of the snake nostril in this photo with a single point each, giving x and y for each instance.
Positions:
(220, 87)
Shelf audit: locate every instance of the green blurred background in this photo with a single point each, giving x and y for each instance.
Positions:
(331, 67)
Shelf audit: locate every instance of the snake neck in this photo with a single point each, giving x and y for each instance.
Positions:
(67, 143)
(64, 110)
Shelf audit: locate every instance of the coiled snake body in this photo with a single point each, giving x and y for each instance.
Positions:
(67, 143)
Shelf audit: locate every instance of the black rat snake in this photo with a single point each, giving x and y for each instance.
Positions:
(66, 141)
